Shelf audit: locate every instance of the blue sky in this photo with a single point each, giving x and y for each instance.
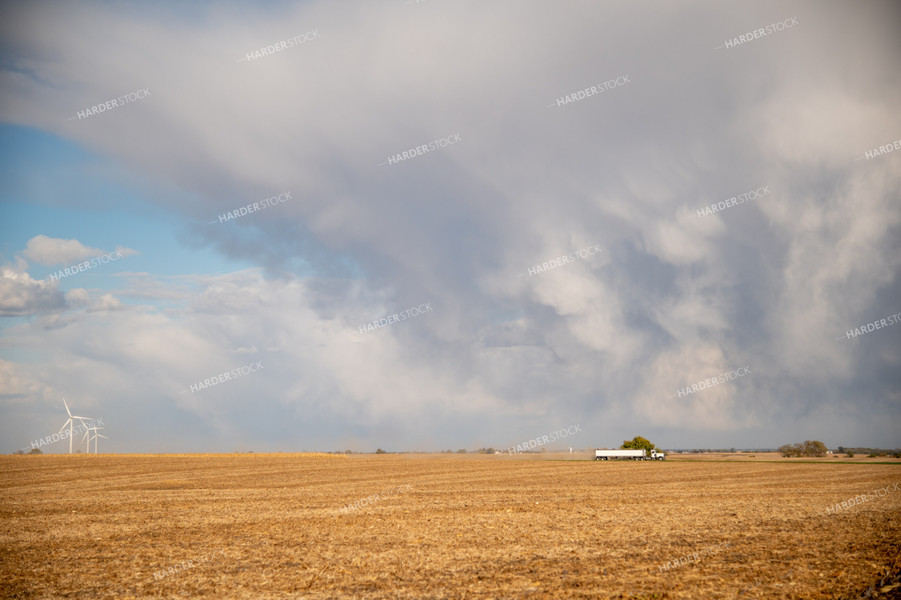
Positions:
(54, 188)
(603, 341)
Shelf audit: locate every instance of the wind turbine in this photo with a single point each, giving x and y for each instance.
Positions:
(94, 437)
(71, 423)
(97, 435)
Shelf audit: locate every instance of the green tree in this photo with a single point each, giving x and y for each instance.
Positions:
(814, 448)
(808, 448)
(638, 443)
(789, 450)
(380, 451)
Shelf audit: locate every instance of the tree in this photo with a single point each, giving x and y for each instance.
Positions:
(380, 451)
(638, 443)
(808, 448)
(814, 448)
(789, 450)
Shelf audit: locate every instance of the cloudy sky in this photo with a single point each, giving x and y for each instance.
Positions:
(308, 109)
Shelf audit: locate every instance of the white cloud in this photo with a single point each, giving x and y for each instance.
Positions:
(53, 251)
(770, 282)
(21, 295)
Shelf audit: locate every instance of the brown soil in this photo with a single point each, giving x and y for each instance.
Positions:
(271, 526)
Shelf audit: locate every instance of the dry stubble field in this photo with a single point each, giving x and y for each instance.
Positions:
(270, 526)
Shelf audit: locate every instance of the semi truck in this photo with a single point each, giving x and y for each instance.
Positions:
(628, 454)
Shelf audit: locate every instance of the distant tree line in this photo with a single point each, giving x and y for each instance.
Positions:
(33, 451)
(870, 451)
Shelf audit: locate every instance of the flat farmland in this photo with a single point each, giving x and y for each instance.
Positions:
(443, 526)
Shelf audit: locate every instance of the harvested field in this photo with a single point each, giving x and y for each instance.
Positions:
(272, 526)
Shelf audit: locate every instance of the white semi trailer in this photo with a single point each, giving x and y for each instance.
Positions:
(628, 454)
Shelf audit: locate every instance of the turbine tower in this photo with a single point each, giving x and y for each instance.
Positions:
(93, 429)
(98, 435)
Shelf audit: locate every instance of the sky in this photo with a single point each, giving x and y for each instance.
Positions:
(678, 220)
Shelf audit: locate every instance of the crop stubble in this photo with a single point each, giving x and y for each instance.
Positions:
(468, 526)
